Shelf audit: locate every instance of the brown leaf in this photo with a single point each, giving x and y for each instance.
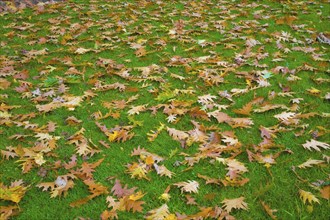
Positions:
(60, 186)
(190, 200)
(220, 116)
(120, 192)
(72, 120)
(246, 110)
(196, 112)
(4, 84)
(24, 74)
(87, 169)
(286, 20)
(6, 212)
(141, 52)
(96, 189)
(106, 215)
(325, 192)
(269, 211)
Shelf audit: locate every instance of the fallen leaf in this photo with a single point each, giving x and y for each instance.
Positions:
(238, 203)
(189, 186)
(308, 196)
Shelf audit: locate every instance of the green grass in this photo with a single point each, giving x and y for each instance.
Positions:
(278, 186)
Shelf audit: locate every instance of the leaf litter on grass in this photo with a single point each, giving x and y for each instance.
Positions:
(203, 74)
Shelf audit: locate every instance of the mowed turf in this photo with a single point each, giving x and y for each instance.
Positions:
(231, 97)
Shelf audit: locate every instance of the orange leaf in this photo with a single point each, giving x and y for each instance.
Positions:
(325, 192)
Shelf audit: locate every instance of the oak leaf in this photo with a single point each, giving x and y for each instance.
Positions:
(81, 50)
(72, 120)
(15, 192)
(131, 202)
(245, 110)
(206, 99)
(269, 211)
(190, 200)
(137, 171)
(308, 196)
(60, 186)
(315, 145)
(6, 212)
(177, 134)
(141, 52)
(163, 171)
(161, 213)
(325, 192)
(310, 163)
(106, 214)
(96, 189)
(137, 109)
(189, 186)
(220, 116)
(285, 116)
(198, 113)
(87, 169)
(238, 203)
(9, 153)
(120, 191)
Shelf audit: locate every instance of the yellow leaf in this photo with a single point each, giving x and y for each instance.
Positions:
(171, 217)
(248, 82)
(160, 213)
(314, 91)
(310, 208)
(39, 159)
(113, 136)
(136, 196)
(149, 160)
(13, 193)
(165, 196)
(308, 196)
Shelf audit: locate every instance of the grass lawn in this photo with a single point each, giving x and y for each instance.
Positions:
(165, 110)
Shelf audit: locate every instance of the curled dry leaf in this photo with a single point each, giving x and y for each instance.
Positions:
(269, 211)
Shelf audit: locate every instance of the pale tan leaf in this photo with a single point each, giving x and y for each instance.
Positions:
(189, 186)
(160, 213)
(163, 171)
(81, 50)
(135, 110)
(285, 116)
(315, 145)
(238, 203)
(177, 134)
(310, 163)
